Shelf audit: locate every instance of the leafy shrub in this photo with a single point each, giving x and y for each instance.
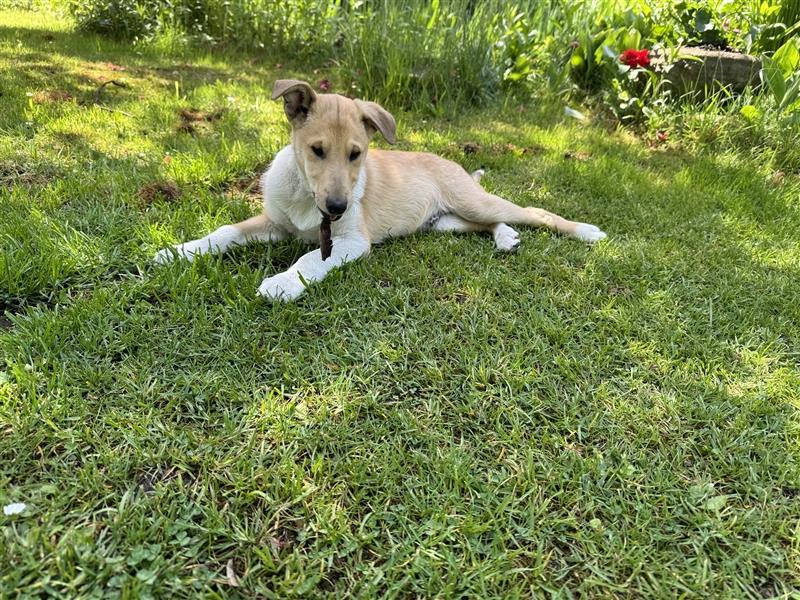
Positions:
(594, 61)
(117, 18)
(699, 24)
(775, 25)
(526, 54)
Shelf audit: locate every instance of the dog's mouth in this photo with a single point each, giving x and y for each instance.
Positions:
(331, 218)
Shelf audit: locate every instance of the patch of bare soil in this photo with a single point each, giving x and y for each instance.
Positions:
(163, 190)
(582, 156)
(14, 172)
(52, 96)
(192, 119)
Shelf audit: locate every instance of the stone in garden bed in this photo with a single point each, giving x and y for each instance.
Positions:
(705, 71)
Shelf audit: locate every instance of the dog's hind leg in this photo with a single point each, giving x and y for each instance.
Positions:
(505, 238)
(258, 228)
(479, 206)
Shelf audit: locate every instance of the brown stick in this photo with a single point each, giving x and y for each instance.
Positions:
(325, 244)
(104, 84)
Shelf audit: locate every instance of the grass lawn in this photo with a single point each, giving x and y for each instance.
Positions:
(436, 420)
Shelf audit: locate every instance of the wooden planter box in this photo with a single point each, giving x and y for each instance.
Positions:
(704, 72)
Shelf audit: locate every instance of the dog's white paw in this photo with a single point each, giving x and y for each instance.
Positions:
(476, 175)
(185, 251)
(284, 286)
(506, 239)
(589, 233)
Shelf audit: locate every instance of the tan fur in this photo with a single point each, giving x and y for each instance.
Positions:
(372, 194)
(335, 126)
(396, 204)
(404, 189)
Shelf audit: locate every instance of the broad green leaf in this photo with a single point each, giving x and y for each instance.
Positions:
(792, 93)
(632, 39)
(767, 9)
(703, 21)
(598, 53)
(787, 57)
(773, 78)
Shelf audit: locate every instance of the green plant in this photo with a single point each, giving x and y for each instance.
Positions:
(775, 24)
(699, 23)
(598, 39)
(426, 55)
(117, 18)
(517, 44)
(781, 76)
(529, 56)
(634, 94)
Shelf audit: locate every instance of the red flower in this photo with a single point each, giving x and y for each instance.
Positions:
(324, 85)
(635, 58)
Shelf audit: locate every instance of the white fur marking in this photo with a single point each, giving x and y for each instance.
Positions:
(588, 233)
(310, 267)
(361, 185)
(216, 241)
(450, 222)
(506, 239)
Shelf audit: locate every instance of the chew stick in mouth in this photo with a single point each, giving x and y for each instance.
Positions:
(325, 244)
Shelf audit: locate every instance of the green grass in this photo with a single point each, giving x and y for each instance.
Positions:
(436, 420)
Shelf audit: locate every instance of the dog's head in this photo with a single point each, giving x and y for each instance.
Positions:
(330, 135)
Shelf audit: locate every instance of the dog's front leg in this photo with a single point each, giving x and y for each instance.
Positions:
(258, 228)
(310, 267)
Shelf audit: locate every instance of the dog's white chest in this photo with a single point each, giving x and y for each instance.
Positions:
(287, 198)
(305, 217)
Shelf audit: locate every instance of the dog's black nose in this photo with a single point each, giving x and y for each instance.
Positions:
(336, 206)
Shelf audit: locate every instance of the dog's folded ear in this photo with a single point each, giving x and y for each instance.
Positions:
(298, 97)
(377, 118)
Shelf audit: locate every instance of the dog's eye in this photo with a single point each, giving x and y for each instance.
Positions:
(354, 155)
(318, 151)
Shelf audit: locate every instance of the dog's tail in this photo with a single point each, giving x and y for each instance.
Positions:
(476, 175)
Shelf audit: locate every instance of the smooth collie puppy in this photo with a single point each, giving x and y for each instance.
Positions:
(369, 195)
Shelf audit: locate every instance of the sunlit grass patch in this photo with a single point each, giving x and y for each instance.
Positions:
(435, 420)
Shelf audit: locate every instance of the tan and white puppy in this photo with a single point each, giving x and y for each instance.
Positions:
(370, 196)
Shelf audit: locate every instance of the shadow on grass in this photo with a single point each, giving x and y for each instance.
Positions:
(570, 415)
